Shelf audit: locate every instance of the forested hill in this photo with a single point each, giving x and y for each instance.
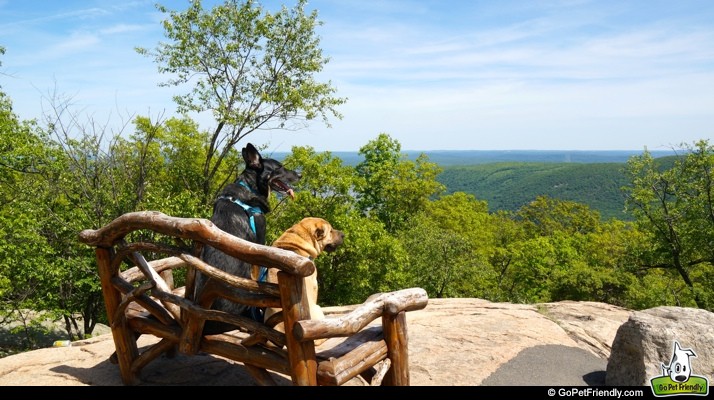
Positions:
(508, 186)
(509, 179)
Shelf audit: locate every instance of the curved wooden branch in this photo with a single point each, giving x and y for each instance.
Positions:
(154, 351)
(201, 230)
(124, 251)
(215, 315)
(134, 274)
(159, 283)
(381, 370)
(130, 297)
(390, 303)
(230, 279)
(145, 301)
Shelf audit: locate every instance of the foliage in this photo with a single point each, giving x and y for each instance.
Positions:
(369, 258)
(370, 261)
(164, 162)
(545, 216)
(676, 207)
(448, 246)
(25, 255)
(252, 69)
(326, 189)
(508, 186)
(394, 188)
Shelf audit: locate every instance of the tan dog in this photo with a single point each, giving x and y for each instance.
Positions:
(309, 238)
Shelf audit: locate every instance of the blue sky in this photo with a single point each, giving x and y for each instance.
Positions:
(481, 75)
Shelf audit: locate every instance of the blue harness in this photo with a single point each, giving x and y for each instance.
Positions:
(255, 312)
(250, 210)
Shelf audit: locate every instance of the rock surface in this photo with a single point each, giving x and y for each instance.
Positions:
(460, 342)
(646, 340)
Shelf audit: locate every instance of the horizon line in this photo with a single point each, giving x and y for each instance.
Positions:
(506, 150)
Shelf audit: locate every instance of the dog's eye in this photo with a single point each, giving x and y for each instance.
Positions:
(677, 368)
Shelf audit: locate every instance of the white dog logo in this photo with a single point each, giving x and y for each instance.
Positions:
(679, 368)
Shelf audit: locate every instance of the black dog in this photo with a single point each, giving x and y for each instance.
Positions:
(240, 210)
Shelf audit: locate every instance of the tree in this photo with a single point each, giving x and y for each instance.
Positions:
(448, 246)
(252, 69)
(370, 259)
(395, 188)
(528, 278)
(507, 232)
(545, 215)
(24, 251)
(164, 162)
(325, 190)
(674, 206)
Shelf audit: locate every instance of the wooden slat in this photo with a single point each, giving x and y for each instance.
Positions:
(351, 357)
(214, 289)
(146, 325)
(230, 347)
(245, 323)
(149, 355)
(381, 369)
(261, 376)
(130, 298)
(230, 279)
(191, 272)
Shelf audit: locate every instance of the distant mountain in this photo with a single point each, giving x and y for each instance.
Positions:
(509, 179)
(447, 158)
(509, 186)
(473, 157)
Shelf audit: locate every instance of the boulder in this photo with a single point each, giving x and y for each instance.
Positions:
(646, 341)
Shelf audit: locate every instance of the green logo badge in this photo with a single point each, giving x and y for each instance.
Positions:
(677, 377)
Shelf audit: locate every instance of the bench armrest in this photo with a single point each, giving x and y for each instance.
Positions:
(376, 306)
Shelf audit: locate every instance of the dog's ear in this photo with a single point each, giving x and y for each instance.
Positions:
(319, 233)
(251, 156)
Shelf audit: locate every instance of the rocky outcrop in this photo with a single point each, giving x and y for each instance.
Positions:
(461, 342)
(451, 342)
(464, 341)
(646, 340)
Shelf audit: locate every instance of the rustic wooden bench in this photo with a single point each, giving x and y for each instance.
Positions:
(139, 255)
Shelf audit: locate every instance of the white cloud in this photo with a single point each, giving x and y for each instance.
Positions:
(76, 43)
(122, 28)
(511, 74)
